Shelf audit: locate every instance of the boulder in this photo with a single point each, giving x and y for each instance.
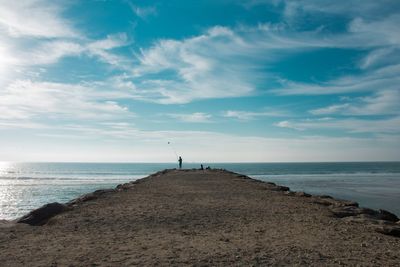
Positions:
(290, 193)
(302, 194)
(346, 211)
(392, 230)
(125, 186)
(279, 188)
(387, 216)
(243, 176)
(329, 201)
(91, 196)
(41, 215)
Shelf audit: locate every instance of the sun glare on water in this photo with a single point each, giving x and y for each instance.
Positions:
(4, 166)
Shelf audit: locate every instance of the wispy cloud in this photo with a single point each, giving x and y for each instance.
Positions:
(101, 49)
(36, 18)
(221, 62)
(349, 125)
(386, 78)
(204, 67)
(26, 99)
(197, 117)
(34, 32)
(50, 52)
(366, 8)
(234, 53)
(384, 102)
(251, 115)
(143, 12)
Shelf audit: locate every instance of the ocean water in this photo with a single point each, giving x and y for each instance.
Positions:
(26, 186)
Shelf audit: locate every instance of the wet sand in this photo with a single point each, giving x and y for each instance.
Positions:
(201, 218)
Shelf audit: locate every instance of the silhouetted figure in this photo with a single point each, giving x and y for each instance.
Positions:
(201, 167)
(180, 162)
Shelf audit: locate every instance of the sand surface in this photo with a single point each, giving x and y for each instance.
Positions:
(201, 218)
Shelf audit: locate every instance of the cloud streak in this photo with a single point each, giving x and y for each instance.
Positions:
(384, 102)
(197, 117)
(349, 125)
(34, 18)
(29, 100)
(251, 115)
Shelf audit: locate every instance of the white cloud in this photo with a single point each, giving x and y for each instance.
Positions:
(290, 125)
(20, 125)
(349, 125)
(250, 115)
(384, 102)
(36, 18)
(197, 117)
(366, 8)
(143, 12)
(34, 32)
(16, 58)
(330, 109)
(384, 29)
(226, 62)
(205, 66)
(386, 78)
(28, 100)
(101, 49)
(380, 56)
(48, 53)
(222, 62)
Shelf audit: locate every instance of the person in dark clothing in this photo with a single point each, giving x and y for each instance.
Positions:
(180, 162)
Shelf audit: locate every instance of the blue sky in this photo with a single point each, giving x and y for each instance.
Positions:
(222, 81)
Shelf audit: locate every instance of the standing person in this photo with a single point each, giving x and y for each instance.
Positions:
(180, 162)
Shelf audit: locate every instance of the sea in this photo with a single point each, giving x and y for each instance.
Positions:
(26, 186)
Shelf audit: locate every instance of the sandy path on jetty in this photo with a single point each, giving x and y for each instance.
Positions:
(197, 218)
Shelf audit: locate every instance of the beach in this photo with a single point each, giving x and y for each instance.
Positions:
(210, 217)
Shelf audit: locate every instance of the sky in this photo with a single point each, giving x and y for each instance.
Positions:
(212, 80)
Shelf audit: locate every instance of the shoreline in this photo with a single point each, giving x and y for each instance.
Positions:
(185, 184)
(372, 185)
(97, 193)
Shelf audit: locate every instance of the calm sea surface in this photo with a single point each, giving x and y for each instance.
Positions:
(25, 186)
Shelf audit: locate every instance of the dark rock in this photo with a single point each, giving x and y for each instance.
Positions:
(389, 230)
(302, 194)
(325, 196)
(347, 211)
(138, 181)
(125, 186)
(371, 214)
(91, 196)
(41, 215)
(328, 201)
(387, 216)
(243, 176)
(365, 219)
(290, 193)
(280, 188)
(159, 173)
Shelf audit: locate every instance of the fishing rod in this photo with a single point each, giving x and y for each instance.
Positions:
(173, 149)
